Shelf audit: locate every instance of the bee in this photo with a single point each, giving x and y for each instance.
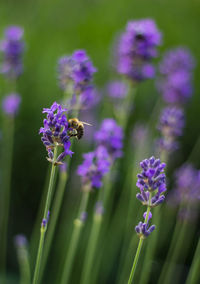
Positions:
(77, 127)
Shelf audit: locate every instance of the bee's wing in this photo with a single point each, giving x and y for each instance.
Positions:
(86, 123)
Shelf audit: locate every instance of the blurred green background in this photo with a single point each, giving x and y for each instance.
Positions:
(54, 28)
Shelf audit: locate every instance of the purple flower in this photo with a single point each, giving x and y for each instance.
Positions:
(20, 241)
(186, 192)
(175, 82)
(151, 180)
(99, 209)
(110, 136)
(88, 98)
(171, 125)
(187, 184)
(12, 47)
(137, 47)
(117, 89)
(95, 165)
(11, 104)
(75, 72)
(55, 132)
(142, 229)
(140, 133)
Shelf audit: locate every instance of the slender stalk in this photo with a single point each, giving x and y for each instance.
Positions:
(53, 220)
(139, 247)
(135, 261)
(177, 242)
(77, 228)
(45, 217)
(194, 273)
(90, 253)
(7, 160)
(150, 251)
(24, 265)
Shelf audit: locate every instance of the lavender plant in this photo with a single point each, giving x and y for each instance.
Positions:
(110, 135)
(12, 48)
(152, 185)
(95, 166)
(185, 195)
(21, 245)
(75, 74)
(11, 67)
(55, 135)
(137, 47)
(170, 126)
(175, 82)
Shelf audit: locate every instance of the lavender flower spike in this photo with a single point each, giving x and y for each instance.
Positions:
(175, 82)
(151, 181)
(11, 104)
(171, 125)
(137, 47)
(75, 72)
(55, 132)
(12, 47)
(110, 136)
(142, 229)
(95, 165)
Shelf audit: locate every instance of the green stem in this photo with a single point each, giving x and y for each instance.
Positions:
(91, 248)
(77, 228)
(135, 261)
(23, 258)
(139, 246)
(150, 251)
(45, 217)
(53, 220)
(7, 160)
(173, 252)
(194, 274)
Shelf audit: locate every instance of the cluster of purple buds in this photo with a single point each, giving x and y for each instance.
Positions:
(12, 48)
(75, 75)
(142, 229)
(110, 135)
(10, 104)
(186, 191)
(137, 47)
(187, 184)
(151, 180)
(94, 167)
(55, 132)
(152, 184)
(175, 82)
(20, 241)
(172, 121)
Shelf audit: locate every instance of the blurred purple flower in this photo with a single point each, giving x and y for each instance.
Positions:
(117, 89)
(140, 133)
(175, 82)
(75, 72)
(55, 132)
(11, 103)
(171, 125)
(137, 47)
(110, 135)
(20, 241)
(151, 179)
(142, 229)
(187, 184)
(88, 98)
(95, 165)
(186, 192)
(12, 47)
